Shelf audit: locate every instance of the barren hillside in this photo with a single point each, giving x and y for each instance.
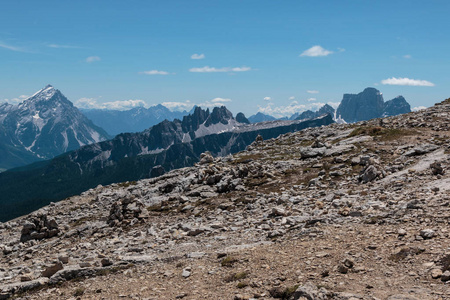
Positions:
(357, 211)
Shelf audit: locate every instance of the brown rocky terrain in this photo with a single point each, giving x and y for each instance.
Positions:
(357, 211)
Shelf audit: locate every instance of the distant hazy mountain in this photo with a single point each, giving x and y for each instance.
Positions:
(133, 120)
(260, 117)
(132, 156)
(241, 118)
(396, 106)
(42, 127)
(369, 104)
(326, 109)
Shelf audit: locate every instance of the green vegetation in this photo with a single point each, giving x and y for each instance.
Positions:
(236, 276)
(81, 221)
(79, 292)
(404, 253)
(384, 134)
(242, 159)
(127, 184)
(228, 261)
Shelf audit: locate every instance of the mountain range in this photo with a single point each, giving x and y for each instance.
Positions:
(42, 127)
(133, 120)
(132, 156)
(369, 104)
(47, 124)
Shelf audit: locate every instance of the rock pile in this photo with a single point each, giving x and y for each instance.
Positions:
(127, 211)
(39, 227)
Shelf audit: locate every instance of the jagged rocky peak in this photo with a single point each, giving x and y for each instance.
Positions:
(219, 115)
(369, 104)
(43, 126)
(326, 109)
(194, 120)
(44, 94)
(46, 98)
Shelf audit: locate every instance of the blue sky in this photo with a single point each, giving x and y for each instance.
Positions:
(250, 55)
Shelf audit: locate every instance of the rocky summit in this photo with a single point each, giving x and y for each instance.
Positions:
(42, 127)
(369, 104)
(344, 211)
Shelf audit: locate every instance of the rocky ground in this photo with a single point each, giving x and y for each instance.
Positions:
(356, 211)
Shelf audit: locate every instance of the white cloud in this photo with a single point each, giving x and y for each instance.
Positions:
(125, 104)
(406, 81)
(311, 99)
(267, 99)
(341, 49)
(208, 69)
(188, 105)
(197, 56)
(91, 103)
(312, 92)
(417, 108)
(316, 105)
(62, 46)
(334, 105)
(154, 72)
(407, 56)
(221, 100)
(178, 106)
(92, 59)
(289, 110)
(12, 48)
(17, 99)
(316, 51)
(291, 98)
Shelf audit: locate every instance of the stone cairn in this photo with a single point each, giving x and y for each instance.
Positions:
(39, 227)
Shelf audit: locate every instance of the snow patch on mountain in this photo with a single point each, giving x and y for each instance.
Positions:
(217, 128)
(46, 124)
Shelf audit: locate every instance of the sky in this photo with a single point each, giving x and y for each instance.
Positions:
(276, 57)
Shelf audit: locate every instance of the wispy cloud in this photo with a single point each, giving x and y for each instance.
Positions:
(406, 81)
(220, 100)
(198, 56)
(62, 46)
(291, 98)
(267, 99)
(92, 59)
(17, 99)
(292, 108)
(154, 72)
(178, 106)
(12, 48)
(311, 99)
(312, 92)
(92, 103)
(207, 69)
(188, 105)
(417, 108)
(335, 105)
(316, 51)
(407, 56)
